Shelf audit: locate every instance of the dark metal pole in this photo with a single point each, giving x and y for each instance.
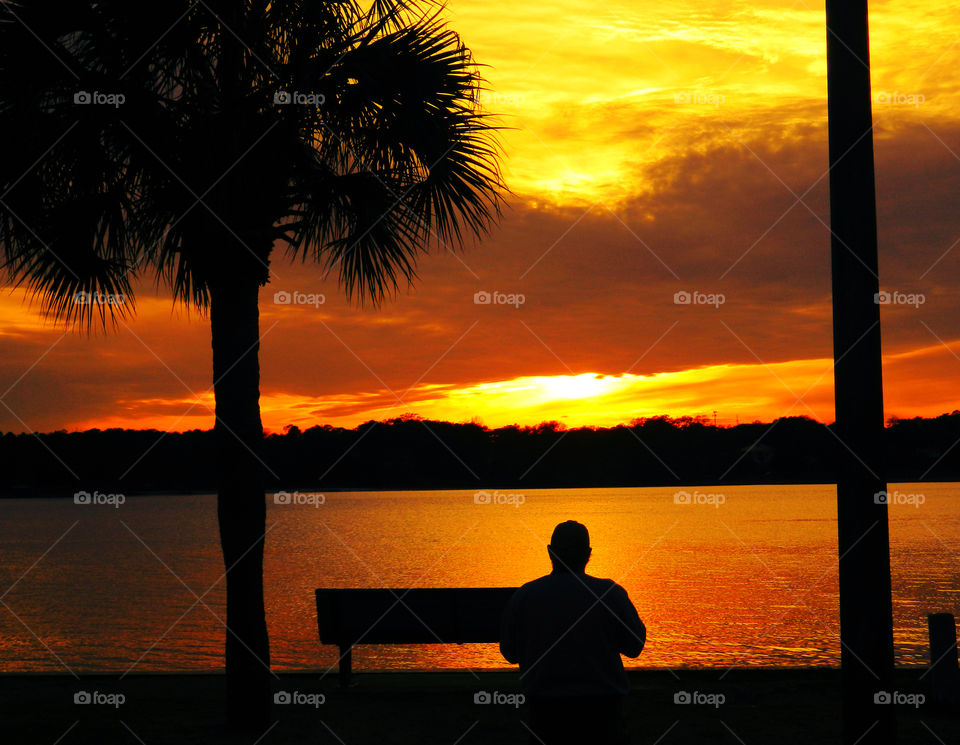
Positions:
(866, 623)
(944, 675)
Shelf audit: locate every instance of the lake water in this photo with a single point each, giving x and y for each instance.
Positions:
(749, 581)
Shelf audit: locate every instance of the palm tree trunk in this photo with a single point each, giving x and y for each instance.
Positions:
(866, 623)
(241, 509)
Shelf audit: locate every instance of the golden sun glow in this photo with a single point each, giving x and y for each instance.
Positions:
(731, 393)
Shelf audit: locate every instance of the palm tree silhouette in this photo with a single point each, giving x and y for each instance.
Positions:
(189, 139)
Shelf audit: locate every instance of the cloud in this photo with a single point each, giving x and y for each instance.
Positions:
(598, 287)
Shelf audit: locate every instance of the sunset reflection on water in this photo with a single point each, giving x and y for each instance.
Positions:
(729, 576)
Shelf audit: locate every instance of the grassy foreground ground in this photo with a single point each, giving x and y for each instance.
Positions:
(740, 707)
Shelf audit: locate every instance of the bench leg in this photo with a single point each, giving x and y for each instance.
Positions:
(346, 663)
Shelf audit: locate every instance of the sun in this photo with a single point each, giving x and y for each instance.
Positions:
(566, 387)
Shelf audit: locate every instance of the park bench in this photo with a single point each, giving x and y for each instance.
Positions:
(347, 617)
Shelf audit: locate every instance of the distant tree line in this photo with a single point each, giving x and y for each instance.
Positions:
(413, 453)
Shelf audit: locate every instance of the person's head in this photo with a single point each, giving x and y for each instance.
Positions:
(569, 547)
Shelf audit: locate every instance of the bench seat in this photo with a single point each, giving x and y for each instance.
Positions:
(347, 617)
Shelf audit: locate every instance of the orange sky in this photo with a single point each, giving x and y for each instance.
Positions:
(654, 149)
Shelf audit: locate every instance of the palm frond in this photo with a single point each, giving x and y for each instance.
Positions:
(202, 169)
(401, 109)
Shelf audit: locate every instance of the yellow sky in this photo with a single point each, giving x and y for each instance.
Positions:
(596, 91)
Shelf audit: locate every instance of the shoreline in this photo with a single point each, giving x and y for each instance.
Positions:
(634, 672)
(451, 673)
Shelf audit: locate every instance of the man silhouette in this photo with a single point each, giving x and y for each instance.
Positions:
(567, 631)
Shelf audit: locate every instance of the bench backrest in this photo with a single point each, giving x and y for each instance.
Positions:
(413, 616)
